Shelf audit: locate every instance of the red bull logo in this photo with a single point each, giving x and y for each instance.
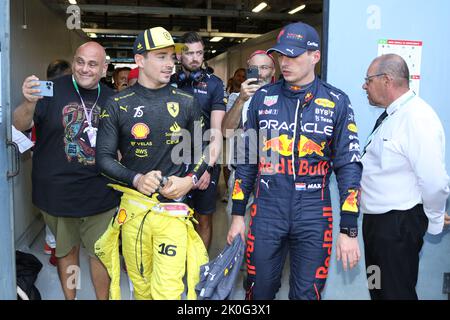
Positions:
(237, 194)
(285, 167)
(322, 272)
(351, 203)
(251, 269)
(282, 144)
(308, 147)
(308, 97)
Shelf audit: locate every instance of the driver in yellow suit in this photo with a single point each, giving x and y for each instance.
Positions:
(150, 123)
(155, 270)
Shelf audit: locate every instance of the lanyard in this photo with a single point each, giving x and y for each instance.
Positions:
(369, 140)
(88, 114)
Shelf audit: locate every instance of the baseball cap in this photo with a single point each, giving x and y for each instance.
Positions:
(295, 39)
(134, 74)
(152, 39)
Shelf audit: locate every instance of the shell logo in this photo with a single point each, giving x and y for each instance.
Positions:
(353, 128)
(140, 131)
(121, 216)
(325, 103)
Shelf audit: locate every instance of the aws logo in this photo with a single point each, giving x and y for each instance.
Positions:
(141, 153)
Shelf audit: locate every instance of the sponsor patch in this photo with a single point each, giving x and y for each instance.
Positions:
(351, 203)
(173, 108)
(300, 186)
(270, 100)
(238, 194)
(325, 103)
(140, 131)
(353, 128)
(121, 216)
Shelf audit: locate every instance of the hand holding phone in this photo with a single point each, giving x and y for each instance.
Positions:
(253, 72)
(46, 88)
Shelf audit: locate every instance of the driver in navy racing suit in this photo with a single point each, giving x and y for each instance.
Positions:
(306, 130)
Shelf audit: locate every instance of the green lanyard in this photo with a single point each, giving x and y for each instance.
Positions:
(88, 114)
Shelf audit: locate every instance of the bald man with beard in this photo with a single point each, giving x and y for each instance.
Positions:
(67, 187)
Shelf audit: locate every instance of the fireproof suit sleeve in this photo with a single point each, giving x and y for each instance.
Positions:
(346, 162)
(107, 146)
(246, 173)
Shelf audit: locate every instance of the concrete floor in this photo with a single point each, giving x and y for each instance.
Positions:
(50, 288)
(435, 260)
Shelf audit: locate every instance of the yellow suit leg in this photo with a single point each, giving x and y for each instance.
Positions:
(169, 257)
(137, 252)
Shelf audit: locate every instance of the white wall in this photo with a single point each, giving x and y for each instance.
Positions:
(46, 38)
(353, 44)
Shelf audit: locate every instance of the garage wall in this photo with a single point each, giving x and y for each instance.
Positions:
(236, 57)
(45, 38)
(353, 44)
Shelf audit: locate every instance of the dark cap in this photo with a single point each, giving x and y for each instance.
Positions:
(295, 39)
(152, 39)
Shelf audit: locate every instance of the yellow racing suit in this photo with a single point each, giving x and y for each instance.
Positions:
(158, 244)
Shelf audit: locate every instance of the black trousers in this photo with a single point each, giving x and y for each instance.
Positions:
(392, 242)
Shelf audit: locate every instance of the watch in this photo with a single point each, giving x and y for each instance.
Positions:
(351, 232)
(194, 179)
(210, 169)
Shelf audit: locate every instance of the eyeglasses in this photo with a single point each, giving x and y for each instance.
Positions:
(368, 78)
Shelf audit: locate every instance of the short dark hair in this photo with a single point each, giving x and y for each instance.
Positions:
(119, 70)
(191, 37)
(57, 68)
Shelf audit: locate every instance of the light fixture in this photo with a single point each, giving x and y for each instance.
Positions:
(215, 39)
(108, 58)
(259, 7)
(214, 51)
(303, 6)
(73, 1)
(92, 35)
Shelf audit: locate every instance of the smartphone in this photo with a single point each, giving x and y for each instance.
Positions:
(46, 88)
(253, 72)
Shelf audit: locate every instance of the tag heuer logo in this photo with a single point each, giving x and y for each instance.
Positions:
(173, 108)
(270, 101)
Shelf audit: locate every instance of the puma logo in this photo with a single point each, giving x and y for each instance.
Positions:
(265, 182)
(291, 51)
(335, 95)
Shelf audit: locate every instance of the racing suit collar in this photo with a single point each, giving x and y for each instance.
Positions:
(304, 95)
(147, 92)
(292, 91)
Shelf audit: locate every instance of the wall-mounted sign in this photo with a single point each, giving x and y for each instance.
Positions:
(409, 50)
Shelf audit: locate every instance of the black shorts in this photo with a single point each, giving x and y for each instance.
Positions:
(204, 201)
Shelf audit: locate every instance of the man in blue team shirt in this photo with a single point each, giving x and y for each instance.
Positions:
(209, 91)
